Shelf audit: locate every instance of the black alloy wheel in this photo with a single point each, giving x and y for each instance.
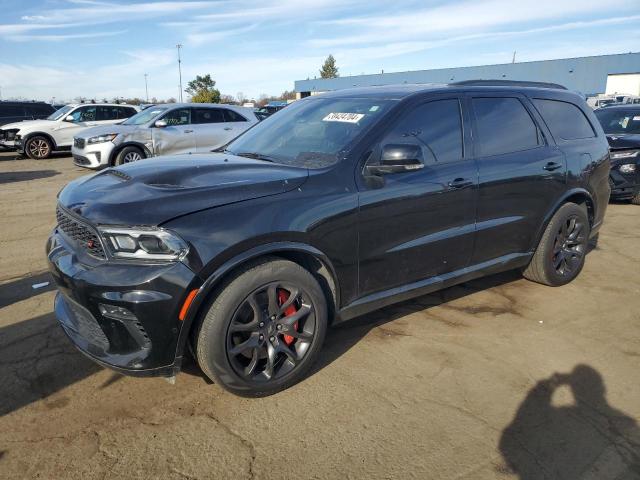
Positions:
(271, 332)
(570, 246)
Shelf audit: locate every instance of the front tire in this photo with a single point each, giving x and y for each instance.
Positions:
(560, 255)
(636, 200)
(264, 330)
(128, 155)
(38, 148)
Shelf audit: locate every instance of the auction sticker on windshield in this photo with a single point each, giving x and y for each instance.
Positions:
(344, 117)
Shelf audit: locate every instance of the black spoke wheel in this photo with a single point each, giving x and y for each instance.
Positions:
(561, 252)
(264, 328)
(271, 332)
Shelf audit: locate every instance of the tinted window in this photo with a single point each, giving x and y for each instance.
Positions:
(126, 112)
(179, 116)
(436, 127)
(43, 109)
(503, 126)
(564, 119)
(207, 115)
(231, 116)
(107, 113)
(615, 121)
(84, 114)
(11, 111)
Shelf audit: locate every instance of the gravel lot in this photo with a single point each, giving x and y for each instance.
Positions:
(458, 384)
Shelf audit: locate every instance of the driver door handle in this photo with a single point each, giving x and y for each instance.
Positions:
(550, 166)
(228, 128)
(188, 131)
(460, 183)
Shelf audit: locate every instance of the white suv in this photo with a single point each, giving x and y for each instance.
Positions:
(39, 138)
(164, 129)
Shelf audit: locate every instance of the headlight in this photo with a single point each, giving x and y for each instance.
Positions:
(625, 154)
(144, 243)
(627, 168)
(102, 138)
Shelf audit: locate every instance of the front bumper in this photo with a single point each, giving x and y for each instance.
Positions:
(624, 186)
(143, 344)
(92, 156)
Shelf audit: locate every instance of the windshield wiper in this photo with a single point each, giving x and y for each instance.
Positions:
(255, 156)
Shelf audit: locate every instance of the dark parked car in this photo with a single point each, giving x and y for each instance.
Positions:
(11, 112)
(621, 123)
(338, 205)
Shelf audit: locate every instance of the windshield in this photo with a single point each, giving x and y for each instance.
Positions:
(145, 116)
(58, 114)
(310, 133)
(619, 122)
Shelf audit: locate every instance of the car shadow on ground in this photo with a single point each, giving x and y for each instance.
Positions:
(22, 288)
(23, 176)
(584, 439)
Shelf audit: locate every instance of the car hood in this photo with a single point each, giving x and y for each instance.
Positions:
(617, 142)
(105, 130)
(154, 191)
(30, 124)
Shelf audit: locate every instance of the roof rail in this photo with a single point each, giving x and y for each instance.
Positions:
(509, 83)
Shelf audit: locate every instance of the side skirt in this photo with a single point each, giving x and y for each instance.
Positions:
(382, 299)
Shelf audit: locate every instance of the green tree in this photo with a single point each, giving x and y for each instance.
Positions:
(329, 68)
(203, 90)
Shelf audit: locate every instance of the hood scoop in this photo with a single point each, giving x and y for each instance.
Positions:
(117, 173)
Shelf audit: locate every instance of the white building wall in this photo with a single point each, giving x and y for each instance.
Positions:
(628, 83)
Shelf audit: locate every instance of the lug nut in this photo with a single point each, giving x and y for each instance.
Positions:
(273, 339)
(261, 337)
(273, 318)
(279, 327)
(261, 324)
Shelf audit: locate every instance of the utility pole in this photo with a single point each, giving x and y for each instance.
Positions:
(179, 46)
(513, 60)
(146, 88)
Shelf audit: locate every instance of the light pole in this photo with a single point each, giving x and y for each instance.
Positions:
(146, 88)
(179, 46)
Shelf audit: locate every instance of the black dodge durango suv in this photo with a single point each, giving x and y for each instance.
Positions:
(340, 204)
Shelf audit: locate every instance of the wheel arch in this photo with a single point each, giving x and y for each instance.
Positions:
(30, 135)
(579, 196)
(308, 257)
(114, 153)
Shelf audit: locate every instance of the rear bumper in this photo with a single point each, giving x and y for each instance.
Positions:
(142, 343)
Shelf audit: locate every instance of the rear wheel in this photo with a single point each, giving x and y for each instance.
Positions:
(38, 147)
(128, 155)
(264, 330)
(561, 252)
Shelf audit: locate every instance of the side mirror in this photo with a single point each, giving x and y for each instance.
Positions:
(69, 118)
(161, 123)
(396, 158)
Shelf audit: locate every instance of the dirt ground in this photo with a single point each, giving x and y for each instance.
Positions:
(498, 378)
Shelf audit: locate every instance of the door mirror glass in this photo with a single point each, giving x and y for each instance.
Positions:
(160, 123)
(396, 158)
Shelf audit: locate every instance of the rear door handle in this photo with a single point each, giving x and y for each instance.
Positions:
(551, 166)
(188, 131)
(460, 183)
(228, 128)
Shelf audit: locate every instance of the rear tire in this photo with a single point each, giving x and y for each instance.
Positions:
(560, 255)
(255, 340)
(38, 147)
(128, 155)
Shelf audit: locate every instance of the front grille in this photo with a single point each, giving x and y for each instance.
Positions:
(82, 234)
(78, 142)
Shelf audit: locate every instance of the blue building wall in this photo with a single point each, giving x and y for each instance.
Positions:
(587, 75)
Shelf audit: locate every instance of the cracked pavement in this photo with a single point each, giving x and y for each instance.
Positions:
(498, 378)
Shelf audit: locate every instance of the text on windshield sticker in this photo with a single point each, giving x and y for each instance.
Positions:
(344, 117)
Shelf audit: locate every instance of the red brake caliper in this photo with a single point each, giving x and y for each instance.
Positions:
(283, 296)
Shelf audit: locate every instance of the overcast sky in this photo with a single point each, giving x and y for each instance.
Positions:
(69, 48)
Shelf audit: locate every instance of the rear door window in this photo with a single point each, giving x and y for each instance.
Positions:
(436, 127)
(107, 113)
(564, 119)
(503, 125)
(207, 115)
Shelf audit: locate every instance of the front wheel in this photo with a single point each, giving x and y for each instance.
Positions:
(38, 147)
(264, 330)
(128, 155)
(560, 255)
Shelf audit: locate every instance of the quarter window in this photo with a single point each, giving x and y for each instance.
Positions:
(503, 126)
(179, 116)
(436, 127)
(207, 115)
(231, 116)
(564, 119)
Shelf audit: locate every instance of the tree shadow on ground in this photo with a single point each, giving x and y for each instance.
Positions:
(587, 440)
